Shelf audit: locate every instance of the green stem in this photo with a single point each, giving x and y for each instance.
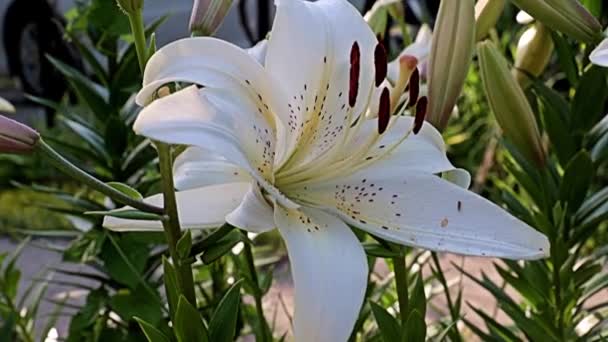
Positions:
(74, 172)
(172, 226)
(137, 29)
(266, 337)
(402, 285)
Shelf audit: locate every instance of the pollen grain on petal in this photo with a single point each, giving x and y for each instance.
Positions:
(355, 66)
(414, 88)
(384, 109)
(421, 107)
(380, 63)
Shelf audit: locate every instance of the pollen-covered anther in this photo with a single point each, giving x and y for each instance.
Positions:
(380, 63)
(384, 111)
(421, 108)
(355, 66)
(414, 88)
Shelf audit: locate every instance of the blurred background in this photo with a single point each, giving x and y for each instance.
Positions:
(70, 69)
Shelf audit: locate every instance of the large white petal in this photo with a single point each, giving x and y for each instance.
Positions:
(329, 269)
(423, 210)
(216, 64)
(191, 117)
(254, 214)
(309, 54)
(198, 167)
(198, 208)
(599, 55)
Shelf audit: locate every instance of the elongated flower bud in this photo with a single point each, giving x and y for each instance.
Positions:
(487, 13)
(16, 137)
(509, 104)
(451, 55)
(131, 6)
(533, 53)
(208, 15)
(567, 16)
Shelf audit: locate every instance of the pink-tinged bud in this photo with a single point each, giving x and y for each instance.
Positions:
(208, 15)
(451, 55)
(567, 16)
(16, 137)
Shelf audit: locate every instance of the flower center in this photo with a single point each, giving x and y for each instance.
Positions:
(357, 148)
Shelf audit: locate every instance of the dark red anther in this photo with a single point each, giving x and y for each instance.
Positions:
(420, 114)
(380, 63)
(414, 88)
(355, 66)
(384, 110)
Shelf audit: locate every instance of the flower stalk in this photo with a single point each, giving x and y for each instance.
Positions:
(257, 295)
(171, 226)
(402, 285)
(136, 21)
(76, 173)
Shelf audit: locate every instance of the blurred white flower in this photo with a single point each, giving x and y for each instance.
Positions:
(599, 56)
(286, 144)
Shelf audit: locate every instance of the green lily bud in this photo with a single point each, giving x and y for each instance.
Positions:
(487, 13)
(534, 50)
(131, 6)
(208, 15)
(451, 54)
(567, 16)
(16, 137)
(509, 104)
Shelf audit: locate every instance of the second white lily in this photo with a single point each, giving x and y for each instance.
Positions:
(286, 145)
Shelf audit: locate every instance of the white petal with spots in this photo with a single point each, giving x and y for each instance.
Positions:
(423, 210)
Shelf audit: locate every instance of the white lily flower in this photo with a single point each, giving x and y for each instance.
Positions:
(599, 55)
(286, 145)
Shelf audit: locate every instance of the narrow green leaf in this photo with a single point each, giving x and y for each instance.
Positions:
(221, 247)
(565, 56)
(576, 181)
(129, 214)
(152, 334)
(184, 245)
(222, 327)
(188, 325)
(589, 99)
(85, 89)
(377, 250)
(127, 190)
(418, 298)
(388, 325)
(170, 279)
(415, 328)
